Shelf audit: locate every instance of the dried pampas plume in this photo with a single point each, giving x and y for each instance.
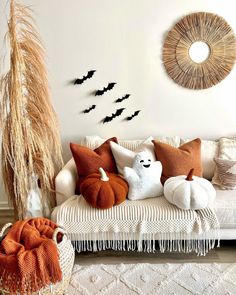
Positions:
(30, 138)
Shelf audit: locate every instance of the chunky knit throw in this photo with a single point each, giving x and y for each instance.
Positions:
(29, 258)
(137, 225)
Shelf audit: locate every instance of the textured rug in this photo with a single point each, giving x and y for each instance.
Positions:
(163, 279)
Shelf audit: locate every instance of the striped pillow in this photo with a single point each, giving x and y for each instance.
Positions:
(226, 172)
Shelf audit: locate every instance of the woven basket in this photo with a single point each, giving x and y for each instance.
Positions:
(66, 260)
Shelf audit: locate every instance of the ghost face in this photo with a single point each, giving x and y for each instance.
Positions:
(146, 165)
(142, 161)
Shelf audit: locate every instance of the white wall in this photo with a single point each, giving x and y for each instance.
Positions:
(123, 41)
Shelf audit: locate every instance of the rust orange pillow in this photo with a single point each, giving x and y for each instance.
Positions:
(179, 161)
(89, 161)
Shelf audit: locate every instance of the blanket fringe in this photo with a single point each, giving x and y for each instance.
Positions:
(149, 243)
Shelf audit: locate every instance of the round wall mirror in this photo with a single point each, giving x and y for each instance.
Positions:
(199, 51)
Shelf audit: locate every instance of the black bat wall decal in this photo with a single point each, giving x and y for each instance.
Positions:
(123, 98)
(88, 76)
(135, 114)
(89, 109)
(105, 89)
(114, 115)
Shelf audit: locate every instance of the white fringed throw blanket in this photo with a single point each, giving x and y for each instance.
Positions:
(137, 225)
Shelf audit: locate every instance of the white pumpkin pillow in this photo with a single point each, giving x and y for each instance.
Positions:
(191, 192)
(144, 177)
(125, 157)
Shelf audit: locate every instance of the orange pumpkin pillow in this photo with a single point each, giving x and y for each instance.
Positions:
(179, 161)
(89, 161)
(104, 190)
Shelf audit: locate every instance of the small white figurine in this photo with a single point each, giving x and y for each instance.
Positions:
(36, 206)
(144, 178)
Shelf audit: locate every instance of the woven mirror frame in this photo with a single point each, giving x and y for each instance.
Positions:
(216, 33)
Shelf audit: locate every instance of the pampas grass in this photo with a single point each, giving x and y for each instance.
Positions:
(211, 29)
(30, 138)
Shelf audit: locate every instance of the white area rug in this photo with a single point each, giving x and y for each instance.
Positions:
(161, 279)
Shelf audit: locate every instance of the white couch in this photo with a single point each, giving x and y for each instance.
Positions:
(68, 207)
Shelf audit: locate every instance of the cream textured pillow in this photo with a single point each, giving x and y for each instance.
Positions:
(226, 170)
(227, 150)
(209, 150)
(125, 157)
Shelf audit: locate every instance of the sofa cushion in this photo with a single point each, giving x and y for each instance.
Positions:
(226, 170)
(225, 207)
(88, 161)
(94, 141)
(209, 150)
(124, 157)
(179, 161)
(227, 150)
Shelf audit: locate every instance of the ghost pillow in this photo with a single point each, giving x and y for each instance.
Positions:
(144, 177)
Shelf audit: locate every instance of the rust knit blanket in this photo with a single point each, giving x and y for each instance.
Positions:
(29, 258)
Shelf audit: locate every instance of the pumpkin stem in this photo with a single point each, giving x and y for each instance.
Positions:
(190, 175)
(104, 177)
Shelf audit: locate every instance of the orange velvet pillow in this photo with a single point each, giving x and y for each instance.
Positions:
(89, 161)
(179, 161)
(104, 193)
